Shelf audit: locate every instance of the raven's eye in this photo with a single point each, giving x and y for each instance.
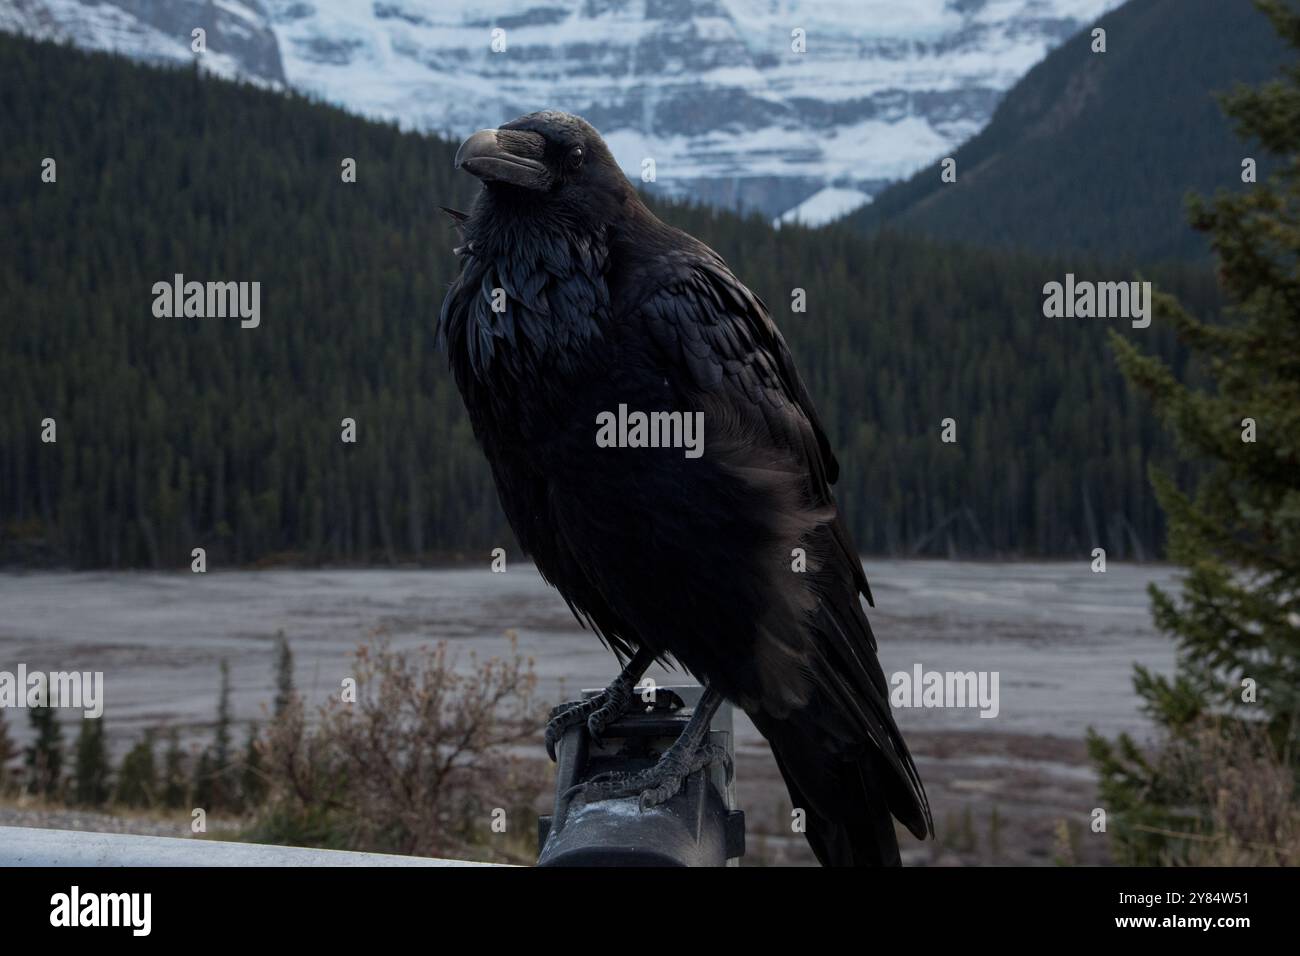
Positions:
(575, 158)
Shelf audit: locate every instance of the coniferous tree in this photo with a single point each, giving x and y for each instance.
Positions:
(203, 786)
(221, 784)
(1237, 619)
(252, 780)
(283, 673)
(176, 787)
(137, 778)
(8, 751)
(91, 771)
(45, 753)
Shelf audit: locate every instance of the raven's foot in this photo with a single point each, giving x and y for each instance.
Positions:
(571, 716)
(603, 709)
(664, 780)
(690, 752)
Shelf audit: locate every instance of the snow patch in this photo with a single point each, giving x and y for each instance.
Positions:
(825, 205)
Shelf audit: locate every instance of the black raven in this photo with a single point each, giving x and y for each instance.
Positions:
(575, 310)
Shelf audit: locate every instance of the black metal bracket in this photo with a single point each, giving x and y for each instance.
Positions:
(700, 826)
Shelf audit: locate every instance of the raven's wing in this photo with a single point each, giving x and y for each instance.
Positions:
(704, 321)
(723, 335)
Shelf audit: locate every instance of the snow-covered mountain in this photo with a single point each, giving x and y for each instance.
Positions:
(799, 108)
(238, 37)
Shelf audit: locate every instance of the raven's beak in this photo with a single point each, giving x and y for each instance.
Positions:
(506, 156)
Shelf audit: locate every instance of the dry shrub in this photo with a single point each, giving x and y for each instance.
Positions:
(1242, 793)
(417, 764)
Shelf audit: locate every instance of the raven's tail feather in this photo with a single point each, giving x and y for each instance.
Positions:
(845, 803)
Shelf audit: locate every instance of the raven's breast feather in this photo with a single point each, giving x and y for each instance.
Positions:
(693, 553)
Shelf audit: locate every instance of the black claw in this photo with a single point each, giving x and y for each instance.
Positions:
(565, 719)
(552, 737)
(599, 712)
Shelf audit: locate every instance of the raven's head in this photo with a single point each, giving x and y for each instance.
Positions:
(555, 158)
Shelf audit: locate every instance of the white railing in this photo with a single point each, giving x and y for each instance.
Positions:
(31, 846)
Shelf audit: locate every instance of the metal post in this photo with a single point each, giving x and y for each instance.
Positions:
(700, 826)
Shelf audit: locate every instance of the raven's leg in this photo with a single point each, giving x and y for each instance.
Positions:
(661, 782)
(605, 707)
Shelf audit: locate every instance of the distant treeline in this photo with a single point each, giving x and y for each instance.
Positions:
(175, 433)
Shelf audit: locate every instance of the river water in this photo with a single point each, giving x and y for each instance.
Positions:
(1061, 639)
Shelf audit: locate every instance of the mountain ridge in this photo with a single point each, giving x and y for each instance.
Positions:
(711, 90)
(1096, 152)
